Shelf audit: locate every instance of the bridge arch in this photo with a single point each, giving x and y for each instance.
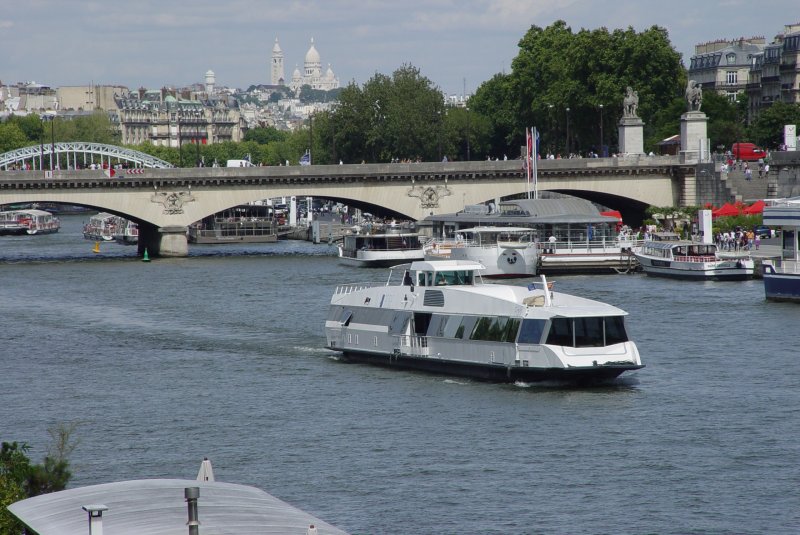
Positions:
(77, 154)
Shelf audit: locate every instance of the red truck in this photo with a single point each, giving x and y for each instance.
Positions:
(747, 152)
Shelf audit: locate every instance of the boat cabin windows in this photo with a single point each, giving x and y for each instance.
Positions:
(445, 278)
(531, 331)
(495, 329)
(587, 332)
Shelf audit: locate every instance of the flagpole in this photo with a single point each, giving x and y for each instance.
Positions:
(535, 165)
(528, 162)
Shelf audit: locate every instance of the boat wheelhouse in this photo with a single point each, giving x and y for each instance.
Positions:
(503, 251)
(127, 232)
(380, 250)
(782, 275)
(683, 259)
(31, 221)
(439, 316)
(572, 235)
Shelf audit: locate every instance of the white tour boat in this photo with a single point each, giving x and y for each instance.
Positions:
(573, 235)
(380, 250)
(31, 221)
(101, 227)
(127, 232)
(439, 316)
(503, 251)
(667, 256)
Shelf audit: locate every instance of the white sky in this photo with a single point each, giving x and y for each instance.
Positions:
(455, 43)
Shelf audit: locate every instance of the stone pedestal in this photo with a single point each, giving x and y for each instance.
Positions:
(694, 136)
(631, 135)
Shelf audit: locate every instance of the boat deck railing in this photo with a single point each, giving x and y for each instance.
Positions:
(598, 246)
(412, 345)
(344, 289)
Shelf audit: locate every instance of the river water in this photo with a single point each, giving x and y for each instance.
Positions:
(221, 355)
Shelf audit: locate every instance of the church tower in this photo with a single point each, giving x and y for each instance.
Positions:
(278, 77)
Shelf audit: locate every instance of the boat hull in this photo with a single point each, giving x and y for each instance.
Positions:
(780, 286)
(492, 372)
(724, 270)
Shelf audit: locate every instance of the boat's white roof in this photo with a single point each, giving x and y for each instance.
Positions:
(158, 507)
(30, 211)
(446, 265)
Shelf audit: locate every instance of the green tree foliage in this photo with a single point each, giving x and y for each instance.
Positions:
(20, 479)
(389, 117)
(557, 69)
(495, 101)
(767, 130)
(12, 137)
(14, 469)
(264, 136)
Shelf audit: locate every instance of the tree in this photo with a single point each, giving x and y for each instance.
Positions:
(12, 137)
(14, 469)
(390, 117)
(557, 69)
(767, 130)
(264, 135)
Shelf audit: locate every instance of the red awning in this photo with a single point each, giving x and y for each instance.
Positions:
(726, 209)
(613, 213)
(755, 208)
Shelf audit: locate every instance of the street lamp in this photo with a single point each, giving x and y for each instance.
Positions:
(551, 135)
(439, 131)
(468, 134)
(51, 116)
(602, 152)
(567, 155)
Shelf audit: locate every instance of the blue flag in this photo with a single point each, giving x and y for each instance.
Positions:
(305, 159)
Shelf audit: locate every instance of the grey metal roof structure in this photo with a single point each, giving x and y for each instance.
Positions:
(158, 507)
(34, 152)
(530, 211)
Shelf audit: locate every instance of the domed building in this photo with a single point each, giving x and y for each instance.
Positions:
(311, 74)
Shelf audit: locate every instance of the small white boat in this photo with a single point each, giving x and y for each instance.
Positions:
(503, 251)
(665, 256)
(380, 250)
(31, 222)
(439, 316)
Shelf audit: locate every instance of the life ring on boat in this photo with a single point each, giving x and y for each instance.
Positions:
(511, 259)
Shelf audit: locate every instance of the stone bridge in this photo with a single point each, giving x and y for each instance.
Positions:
(165, 201)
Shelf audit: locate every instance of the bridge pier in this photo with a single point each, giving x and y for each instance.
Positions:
(169, 241)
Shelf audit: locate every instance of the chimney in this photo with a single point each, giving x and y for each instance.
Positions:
(95, 518)
(192, 494)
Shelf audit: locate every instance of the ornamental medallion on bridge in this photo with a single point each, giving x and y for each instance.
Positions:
(429, 195)
(173, 202)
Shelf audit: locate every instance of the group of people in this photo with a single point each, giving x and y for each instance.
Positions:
(731, 165)
(737, 240)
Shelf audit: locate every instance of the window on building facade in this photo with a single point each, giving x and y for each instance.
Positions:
(732, 77)
(731, 58)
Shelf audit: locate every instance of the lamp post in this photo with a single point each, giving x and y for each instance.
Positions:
(310, 137)
(439, 132)
(567, 154)
(551, 133)
(602, 152)
(468, 134)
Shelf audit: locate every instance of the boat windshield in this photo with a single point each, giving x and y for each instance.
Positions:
(446, 278)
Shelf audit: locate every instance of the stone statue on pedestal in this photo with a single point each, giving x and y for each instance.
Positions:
(694, 96)
(630, 103)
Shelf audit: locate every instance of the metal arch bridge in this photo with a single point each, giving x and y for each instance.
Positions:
(78, 153)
